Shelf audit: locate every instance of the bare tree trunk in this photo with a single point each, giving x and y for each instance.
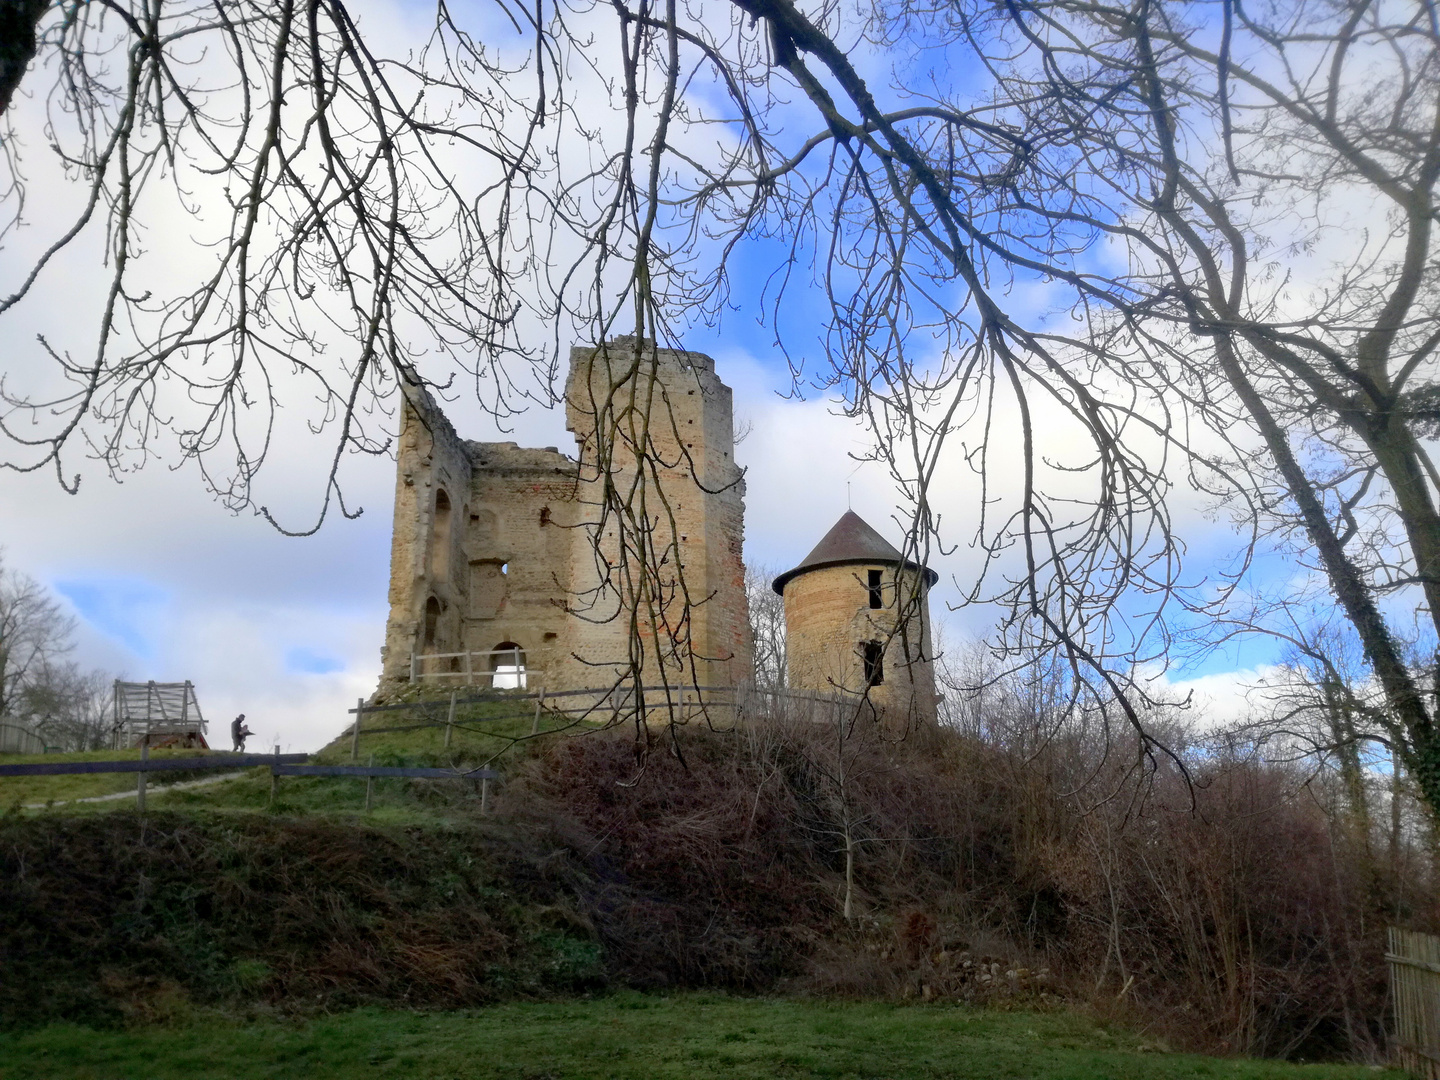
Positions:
(1349, 586)
(1344, 735)
(18, 20)
(849, 871)
(1396, 822)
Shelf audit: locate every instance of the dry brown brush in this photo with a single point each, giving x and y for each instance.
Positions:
(1225, 906)
(1228, 908)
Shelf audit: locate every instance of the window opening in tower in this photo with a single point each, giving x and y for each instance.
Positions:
(873, 653)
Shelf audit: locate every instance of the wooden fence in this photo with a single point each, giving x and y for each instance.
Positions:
(716, 705)
(280, 765)
(1414, 960)
(498, 669)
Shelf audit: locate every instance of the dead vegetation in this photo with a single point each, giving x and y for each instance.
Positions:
(1234, 913)
(1229, 911)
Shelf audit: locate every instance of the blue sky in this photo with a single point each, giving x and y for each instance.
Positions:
(169, 585)
(305, 661)
(124, 609)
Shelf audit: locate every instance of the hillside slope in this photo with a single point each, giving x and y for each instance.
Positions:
(717, 860)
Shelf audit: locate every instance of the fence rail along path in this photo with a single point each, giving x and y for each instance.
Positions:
(279, 765)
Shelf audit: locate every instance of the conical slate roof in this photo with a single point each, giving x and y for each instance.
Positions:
(851, 540)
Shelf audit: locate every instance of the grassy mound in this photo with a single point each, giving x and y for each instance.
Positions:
(483, 733)
(720, 861)
(114, 916)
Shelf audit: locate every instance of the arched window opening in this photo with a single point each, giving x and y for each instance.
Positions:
(507, 666)
(441, 539)
(432, 622)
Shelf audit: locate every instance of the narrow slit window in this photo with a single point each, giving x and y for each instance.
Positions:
(441, 541)
(873, 584)
(873, 653)
(432, 621)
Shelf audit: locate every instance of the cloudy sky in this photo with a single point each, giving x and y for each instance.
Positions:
(167, 584)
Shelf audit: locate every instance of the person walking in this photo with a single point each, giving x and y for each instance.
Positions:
(239, 733)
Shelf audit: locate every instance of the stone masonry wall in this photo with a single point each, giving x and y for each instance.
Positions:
(828, 617)
(685, 503)
(527, 552)
(522, 521)
(431, 460)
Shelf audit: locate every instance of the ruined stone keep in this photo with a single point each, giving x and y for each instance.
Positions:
(846, 630)
(515, 566)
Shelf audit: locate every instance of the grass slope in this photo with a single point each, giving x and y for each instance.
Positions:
(492, 733)
(687, 1037)
(109, 919)
(25, 790)
(483, 731)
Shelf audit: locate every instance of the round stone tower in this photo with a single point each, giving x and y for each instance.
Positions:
(857, 619)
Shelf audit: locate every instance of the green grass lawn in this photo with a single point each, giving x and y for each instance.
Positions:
(488, 733)
(634, 1037)
(38, 789)
(484, 733)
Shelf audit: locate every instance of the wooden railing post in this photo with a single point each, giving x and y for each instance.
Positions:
(369, 785)
(275, 772)
(485, 795)
(450, 721)
(140, 777)
(355, 734)
(539, 704)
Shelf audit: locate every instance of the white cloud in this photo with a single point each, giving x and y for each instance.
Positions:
(168, 585)
(171, 586)
(1225, 697)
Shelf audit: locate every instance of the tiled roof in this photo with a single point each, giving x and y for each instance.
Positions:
(850, 540)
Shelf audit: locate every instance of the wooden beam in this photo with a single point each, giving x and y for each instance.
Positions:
(211, 761)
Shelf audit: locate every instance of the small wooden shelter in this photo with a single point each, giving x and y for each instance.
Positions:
(157, 714)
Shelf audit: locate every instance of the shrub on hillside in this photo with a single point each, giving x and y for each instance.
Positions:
(1224, 906)
(115, 915)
